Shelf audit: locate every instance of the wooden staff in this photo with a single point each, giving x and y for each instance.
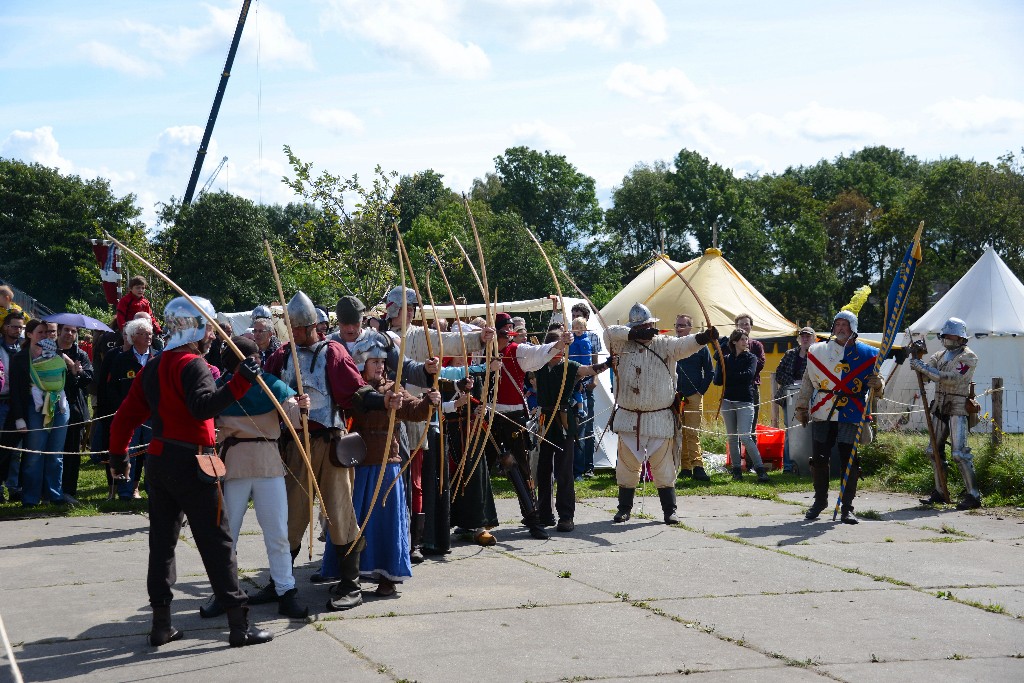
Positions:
(304, 413)
(940, 471)
(442, 460)
(241, 356)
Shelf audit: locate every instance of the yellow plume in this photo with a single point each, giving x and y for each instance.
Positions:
(860, 297)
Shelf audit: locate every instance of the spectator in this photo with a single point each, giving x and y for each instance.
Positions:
(745, 322)
(693, 377)
(220, 354)
(791, 371)
(266, 340)
(10, 459)
(80, 376)
(739, 392)
(8, 306)
(123, 369)
(40, 410)
(585, 440)
(134, 302)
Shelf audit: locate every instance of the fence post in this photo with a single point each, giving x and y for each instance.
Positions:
(997, 411)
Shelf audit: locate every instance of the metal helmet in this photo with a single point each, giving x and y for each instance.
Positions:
(370, 344)
(261, 312)
(955, 327)
(640, 315)
(321, 316)
(184, 323)
(394, 301)
(301, 311)
(848, 317)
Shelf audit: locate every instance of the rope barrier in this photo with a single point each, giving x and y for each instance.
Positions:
(43, 429)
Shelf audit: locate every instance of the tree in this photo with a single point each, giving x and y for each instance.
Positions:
(555, 200)
(365, 258)
(420, 193)
(640, 220)
(46, 220)
(214, 248)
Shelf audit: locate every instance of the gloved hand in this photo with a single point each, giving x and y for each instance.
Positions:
(917, 364)
(874, 382)
(801, 415)
(119, 466)
(641, 333)
(707, 336)
(250, 369)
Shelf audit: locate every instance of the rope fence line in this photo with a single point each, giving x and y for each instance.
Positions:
(44, 429)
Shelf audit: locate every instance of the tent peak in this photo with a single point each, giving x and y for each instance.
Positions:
(712, 251)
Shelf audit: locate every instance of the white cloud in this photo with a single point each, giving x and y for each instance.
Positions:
(176, 150)
(540, 135)
(980, 115)
(337, 121)
(38, 146)
(646, 131)
(640, 82)
(702, 119)
(265, 30)
(419, 33)
(820, 124)
(553, 24)
(110, 57)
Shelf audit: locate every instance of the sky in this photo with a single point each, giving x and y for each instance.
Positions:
(122, 90)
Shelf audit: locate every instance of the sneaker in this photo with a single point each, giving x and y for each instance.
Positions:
(538, 533)
(589, 474)
(565, 525)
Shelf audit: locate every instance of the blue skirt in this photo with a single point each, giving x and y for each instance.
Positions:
(387, 536)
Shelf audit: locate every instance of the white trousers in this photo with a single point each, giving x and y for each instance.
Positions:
(271, 504)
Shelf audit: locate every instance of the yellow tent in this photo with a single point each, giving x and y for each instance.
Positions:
(725, 293)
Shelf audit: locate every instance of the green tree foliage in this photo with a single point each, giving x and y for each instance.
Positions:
(418, 194)
(555, 200)
(214, 248)
(46, 220)
(364, 259)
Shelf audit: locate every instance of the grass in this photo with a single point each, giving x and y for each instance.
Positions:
(92, 498)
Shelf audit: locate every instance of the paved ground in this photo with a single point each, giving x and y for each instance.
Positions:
(743, 591)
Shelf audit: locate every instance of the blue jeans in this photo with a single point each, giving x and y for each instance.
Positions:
(141, 435)
(41, 474)
(739, 425)
(583, 456)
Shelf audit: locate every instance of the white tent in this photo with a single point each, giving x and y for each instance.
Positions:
(990, 299)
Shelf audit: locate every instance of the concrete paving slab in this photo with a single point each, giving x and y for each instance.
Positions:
(992, 669)
(969, 563)
(786, 674)
(496, 582)
(786, 531)
(200, 656)
(729, 570)
(59, 534)
(834, 628)
(541, 644)
(1011, 598)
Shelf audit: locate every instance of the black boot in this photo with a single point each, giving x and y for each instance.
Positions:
(819, 474)
(264, 596)
(242, 632)
(668, 504)
(846, 512)
(685, 474)
(288, 605)
(737, 474)
(700, 475)
(935, 498)
(762, 475)
(416, 552)
(211, 609)
(347, 592)
(968, 502)
(625, 504)
(163, 632)
(527, 503)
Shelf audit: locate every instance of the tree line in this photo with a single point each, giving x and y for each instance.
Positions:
(806, 237)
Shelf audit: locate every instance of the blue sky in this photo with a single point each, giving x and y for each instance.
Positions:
(123, 89)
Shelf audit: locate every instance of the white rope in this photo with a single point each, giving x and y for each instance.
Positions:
(10, 653)
(80, 453)
(43, 429)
